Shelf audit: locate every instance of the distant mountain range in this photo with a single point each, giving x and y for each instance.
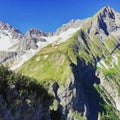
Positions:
(78, 64)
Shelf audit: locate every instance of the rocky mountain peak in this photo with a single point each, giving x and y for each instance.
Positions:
(107, 12)
(105, 22)
(10, 29)
(35, 33)
(108, 8)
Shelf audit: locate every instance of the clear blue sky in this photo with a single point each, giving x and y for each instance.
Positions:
(48, 15)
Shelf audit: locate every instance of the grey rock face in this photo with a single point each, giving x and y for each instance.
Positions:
(31, 38)
(4, 56)
(27, 44)
(107, 20)
(72, 98)
(10, 58)
(77, 95)
(35, 33)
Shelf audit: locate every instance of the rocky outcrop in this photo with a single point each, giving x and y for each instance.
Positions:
(70, 98)
(6, 56)
(10, 58)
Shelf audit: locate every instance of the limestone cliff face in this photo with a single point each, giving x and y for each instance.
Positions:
(71, 98)
(79, 95)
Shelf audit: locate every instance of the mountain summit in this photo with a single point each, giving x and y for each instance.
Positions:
(107, 9)
(105, 22)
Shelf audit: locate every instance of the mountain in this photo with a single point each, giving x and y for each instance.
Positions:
(81, 71)
(78, 65)
(8, 36)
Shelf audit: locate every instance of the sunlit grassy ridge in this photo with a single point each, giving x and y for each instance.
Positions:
(53, 63)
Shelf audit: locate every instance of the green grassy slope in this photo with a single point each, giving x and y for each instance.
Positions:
(53, 62)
